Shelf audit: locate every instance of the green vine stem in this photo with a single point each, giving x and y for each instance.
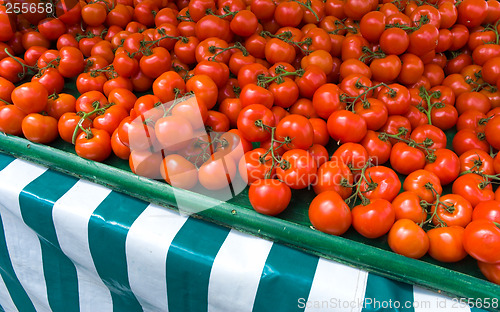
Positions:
(433, 212)
(263, 80)
(412, 143)
(217, 50)
(97, 110)
(370, 186)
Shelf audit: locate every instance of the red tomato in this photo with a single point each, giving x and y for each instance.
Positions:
(407, 206)
(95, 146)
(473, 188)
(445, 164)
(406, 159)
(296, 131)
(30, 97)
(178, 171)
(482, 241)
(329, 213)
(269, 196)
(489, 210)
(408, 239)
(423, 183)
(445, 244)
(380, 182)
(374, 219)
(298, 169)
(346, 126)
(334, 175)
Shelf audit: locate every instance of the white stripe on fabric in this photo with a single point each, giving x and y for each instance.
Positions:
(5, 299)
(336, 287)
(429, 301)
(236, 272)
(148, 241)
(71, 214)
(22, 242)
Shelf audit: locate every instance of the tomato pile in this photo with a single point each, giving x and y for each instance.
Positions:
(206, 92)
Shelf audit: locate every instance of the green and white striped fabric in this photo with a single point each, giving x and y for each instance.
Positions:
(71, 245)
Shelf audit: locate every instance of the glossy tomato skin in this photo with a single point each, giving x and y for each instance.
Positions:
(423, 183)
(446, 243)
(178, 171)
(330, 176)
(378, 150)
(459, 215)
(346, 126)
(408, 239)
(329, 213)
(407, 206)
(269, 196)
(97, 147)
(217, 172)
(249, 116)
(387, 184)
(299, 169)
(297, 129)
(473, 188)
(482, 241)
(406, 159)
(374, 219)
(445, 164)
(11, 119)
(489, 210)
(30, 97)
(40, 129)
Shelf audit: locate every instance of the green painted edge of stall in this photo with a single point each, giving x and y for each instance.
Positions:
(340, 249)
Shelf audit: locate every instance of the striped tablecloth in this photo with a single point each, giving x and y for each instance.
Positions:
(71, 245)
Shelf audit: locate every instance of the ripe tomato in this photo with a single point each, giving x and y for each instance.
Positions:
(326, 100)
(296, 130)
(407, 206)
(173, 132)
(457, 212)
(329, 213)
(473, 188)
(254, 165)
(11, 119)
(145, 163)
(298, 169)
(423, 183)
(408, 239)
(346, 126)
(489, 210)
(374, 219)
(445, 243)
(477, 160)
(378, 150)
(445, 164)
(373, 111)
(406, 159)
(467, 139)
(217, 172)
(269, 196)
(30, 97)
(482, 241)
(178, 171)
(331, 176)
(491, 128)
(168, 86)
(252, 122)
(95, 146)
(490, 271)
(424, 133)
(380, 182)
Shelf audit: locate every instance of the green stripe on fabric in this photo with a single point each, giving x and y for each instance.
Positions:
(16, 290)
(385, 295)
(5, 160)
(108, 228)
(484, 302)
(189, 263)
(37, 201)
(286, 280)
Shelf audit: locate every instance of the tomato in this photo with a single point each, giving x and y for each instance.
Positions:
(145, 163)
(173, 132)
(178, 171)
(445, 164)
(168, 86)
(373, 111)
(252, 121)
(156, 63)
(288, 14)
(94, 146)
(60, 104)
(477, 160)
(298, 169)
(445, 243)
(490, 271)
(326, 100)
(472, 100)
(379, 151)
(269, 196)
(94, 14)
(372, 25)
(472, 13)
(254, 94)
(380, 182)
(491, 128)
(254, 165)
(406, 159)
(482, 241)
(429, 133)
(11, 119)
(217, 172)
(473, 188)
(457, 212)
(374, 219)
(386, 69)
(330, 177)
(346, 126)
(329, 213)
(204, 89)
(408, 239)
(423, 40)
(467, 139)
(67, 124)
(407, 206)
(296, 131)
(488, 210)
(119, 149)
(30, 97)
(423, 183)
(412, 69)
(310, 81)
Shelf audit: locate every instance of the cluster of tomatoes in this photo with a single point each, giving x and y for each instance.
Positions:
(381, 81)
